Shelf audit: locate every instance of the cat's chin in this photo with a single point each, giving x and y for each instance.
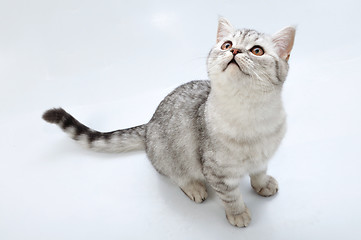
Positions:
(234, 69)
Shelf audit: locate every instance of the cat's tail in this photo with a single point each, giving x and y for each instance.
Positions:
(117, 141)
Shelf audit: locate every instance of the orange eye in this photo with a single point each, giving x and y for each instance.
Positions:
(227, 45)
(257, 50)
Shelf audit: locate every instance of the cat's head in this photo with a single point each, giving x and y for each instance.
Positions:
(248, 58)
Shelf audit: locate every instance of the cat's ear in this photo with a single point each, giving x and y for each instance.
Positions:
(283, 41)
(224, 28)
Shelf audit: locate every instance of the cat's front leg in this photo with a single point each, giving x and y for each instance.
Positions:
(227, 189)
(264, 184)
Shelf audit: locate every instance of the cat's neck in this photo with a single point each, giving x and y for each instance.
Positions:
(242, 93)
(246, 110)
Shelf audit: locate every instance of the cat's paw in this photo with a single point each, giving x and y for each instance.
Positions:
(239, 220)
(267, 188)
(196, 191)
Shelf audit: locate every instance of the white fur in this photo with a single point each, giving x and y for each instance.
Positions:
(244, 113)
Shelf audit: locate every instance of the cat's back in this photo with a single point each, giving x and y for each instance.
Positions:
(183, 102)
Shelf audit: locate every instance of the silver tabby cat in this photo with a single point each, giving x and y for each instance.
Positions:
(213, 131)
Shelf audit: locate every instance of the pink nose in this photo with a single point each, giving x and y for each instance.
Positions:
(235, 51)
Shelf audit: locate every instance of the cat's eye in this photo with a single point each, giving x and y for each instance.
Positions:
(257, 50)
(227, 45)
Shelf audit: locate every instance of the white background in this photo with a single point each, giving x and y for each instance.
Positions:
(109, 63)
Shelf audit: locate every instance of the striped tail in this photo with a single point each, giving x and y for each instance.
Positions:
(117, 141)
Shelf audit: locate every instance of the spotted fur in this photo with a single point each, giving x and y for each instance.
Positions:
(213, 131)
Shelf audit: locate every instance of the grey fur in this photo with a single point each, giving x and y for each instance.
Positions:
(212, 131)
(115, 141)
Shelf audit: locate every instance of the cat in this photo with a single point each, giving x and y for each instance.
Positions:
(213, 131)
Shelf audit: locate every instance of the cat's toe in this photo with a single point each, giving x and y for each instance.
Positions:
(239, 220)
(268, 188)
(196, 191)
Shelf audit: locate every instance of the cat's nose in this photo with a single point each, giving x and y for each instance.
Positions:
(235, 51)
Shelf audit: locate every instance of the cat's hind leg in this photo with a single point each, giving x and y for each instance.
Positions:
(264, 184)
(195, 189)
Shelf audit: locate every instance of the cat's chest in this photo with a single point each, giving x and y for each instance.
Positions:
(248, 155)
(245, 137)
(244, 121)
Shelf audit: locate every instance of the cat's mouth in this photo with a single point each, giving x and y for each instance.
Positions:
(233, 61)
